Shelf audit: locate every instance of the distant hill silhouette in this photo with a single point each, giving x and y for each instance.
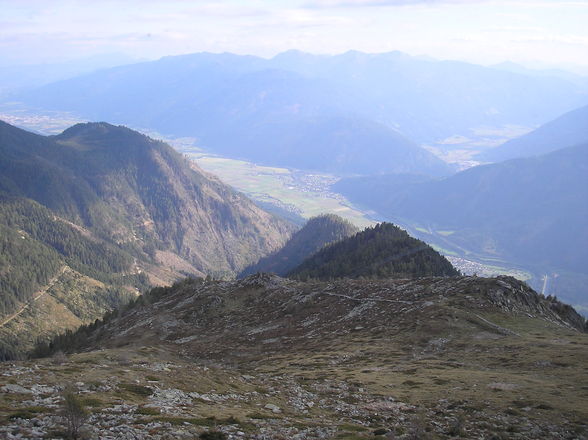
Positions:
(314, 235)
(566, 131)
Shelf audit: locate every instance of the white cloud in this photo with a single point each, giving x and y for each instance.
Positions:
(366, 3)
(482, 31)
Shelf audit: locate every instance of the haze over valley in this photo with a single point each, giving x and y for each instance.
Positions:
(284, 129)
(315, 219)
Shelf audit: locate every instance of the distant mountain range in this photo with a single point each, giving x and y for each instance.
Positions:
(25, 76)
(101, 208)
(566, 131)
(350, 113)
(529, 211)
(313, 236)
(509, 66)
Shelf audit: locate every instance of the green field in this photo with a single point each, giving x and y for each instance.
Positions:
(307, 194)
(44, 122)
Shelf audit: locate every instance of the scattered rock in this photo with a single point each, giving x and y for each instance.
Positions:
(273, 408)
(13, 388)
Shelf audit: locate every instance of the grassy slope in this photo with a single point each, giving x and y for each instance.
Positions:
(348, 385)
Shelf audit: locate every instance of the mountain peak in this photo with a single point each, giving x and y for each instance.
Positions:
(94, 129)
(102, 136)
(130, 208)
(384, 251)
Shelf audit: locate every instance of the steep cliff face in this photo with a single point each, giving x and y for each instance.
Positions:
(139, 193)
(96, 214)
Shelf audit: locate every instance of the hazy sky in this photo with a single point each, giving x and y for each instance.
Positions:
(554, 32)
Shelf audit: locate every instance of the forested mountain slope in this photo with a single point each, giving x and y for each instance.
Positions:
(138, 193)
(116, 211)
(383, 251)
(314, 235)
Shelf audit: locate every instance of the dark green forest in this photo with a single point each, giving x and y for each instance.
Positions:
(383, 251)
(35, 244)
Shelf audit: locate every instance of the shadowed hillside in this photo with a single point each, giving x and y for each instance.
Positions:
(530, 212)
(314, 235)
(568, 130)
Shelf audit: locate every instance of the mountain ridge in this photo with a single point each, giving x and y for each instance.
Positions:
(244, 106)
(121, 212)
(272, 357)
(272, 297)
(568, 130)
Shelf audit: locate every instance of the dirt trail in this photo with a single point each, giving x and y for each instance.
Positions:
(36, 296)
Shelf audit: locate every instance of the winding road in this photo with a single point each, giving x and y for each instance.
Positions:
(36, 296)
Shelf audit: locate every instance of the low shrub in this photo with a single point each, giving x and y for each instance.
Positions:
(213, 435)
(139, 390)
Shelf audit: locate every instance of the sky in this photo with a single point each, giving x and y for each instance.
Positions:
(536, 33)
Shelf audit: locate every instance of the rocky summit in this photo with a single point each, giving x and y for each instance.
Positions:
(273, 358)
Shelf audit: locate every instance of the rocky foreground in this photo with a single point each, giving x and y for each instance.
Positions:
(269, 358)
